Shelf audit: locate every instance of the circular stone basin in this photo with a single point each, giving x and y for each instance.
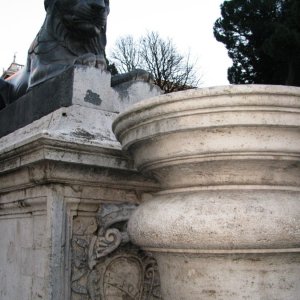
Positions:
(228, 161)
(247, 134)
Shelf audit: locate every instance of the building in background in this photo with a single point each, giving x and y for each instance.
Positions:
(12, 69)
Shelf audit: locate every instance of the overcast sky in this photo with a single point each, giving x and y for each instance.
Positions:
(188, 22)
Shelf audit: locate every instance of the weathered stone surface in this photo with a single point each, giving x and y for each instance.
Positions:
(21, 263)
(235, 276)
(226, 224)
(83, 86)
(40, 198)
(105, 264)
(53, 172)
(39, 102)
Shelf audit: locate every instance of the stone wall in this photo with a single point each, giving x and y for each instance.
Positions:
(24, 255)
(66, 193)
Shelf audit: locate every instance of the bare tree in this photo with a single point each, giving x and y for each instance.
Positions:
(171, 70)
(126, 54)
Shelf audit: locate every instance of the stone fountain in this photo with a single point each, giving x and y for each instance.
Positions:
(226, 223)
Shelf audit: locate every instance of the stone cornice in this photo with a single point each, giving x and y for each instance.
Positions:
(43, 147)
(218, 107)
(43, 159)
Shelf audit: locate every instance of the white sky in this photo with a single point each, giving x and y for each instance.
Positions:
(188, 22)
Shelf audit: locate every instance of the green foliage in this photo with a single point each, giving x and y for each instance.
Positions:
(263, 40)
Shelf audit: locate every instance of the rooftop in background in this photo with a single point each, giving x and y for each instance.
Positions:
(12, 69)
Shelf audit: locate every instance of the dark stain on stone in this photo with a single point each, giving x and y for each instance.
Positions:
(92, 97)
(21, 204)
(209, 292)
(81, 133)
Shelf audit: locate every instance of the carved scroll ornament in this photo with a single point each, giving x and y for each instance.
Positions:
(105, 265)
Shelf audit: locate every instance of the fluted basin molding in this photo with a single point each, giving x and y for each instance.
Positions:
(236, 98)
(226, 224)
(249, 127)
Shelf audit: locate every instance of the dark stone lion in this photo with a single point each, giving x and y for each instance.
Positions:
(73, 33)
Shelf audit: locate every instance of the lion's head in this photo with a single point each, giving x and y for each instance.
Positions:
(74, 33)
(84, 18)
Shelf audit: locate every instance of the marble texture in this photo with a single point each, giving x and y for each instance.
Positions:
(56, 171)
(226, 223)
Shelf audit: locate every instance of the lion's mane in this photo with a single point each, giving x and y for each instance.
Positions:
(74, 32)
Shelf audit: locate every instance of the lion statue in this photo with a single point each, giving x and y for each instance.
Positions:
(73, 33)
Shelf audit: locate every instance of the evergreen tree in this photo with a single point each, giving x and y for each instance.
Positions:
(263, 40)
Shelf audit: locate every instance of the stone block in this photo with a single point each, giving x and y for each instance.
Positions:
(83, 86)
(25, 232)
(38, 288)
(40, 239)
(38, 102)
(14, 283)
(61, 163)
(34, 262)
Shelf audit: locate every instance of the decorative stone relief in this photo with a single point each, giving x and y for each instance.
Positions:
(105, 265)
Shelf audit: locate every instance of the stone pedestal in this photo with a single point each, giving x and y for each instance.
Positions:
(66, 193)
(78, 87)
(226, 224)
